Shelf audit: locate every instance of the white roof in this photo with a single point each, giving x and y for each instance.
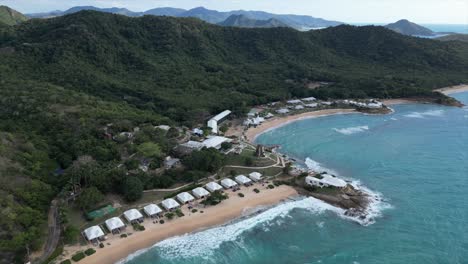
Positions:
(170, 204)
(214, 142)
(93, 232)
(333, 181)
(200, 192)
(241, 179)
(282, 111)
(152, 209)
(309, 99)
(114, 223)
(228, 183)
(256, 176)
(213, 186)
(221, 115)
(132, 214)
(312, 105)
(185, 197)
(294, 101)
(299, 107)
(164, 127)
(193, 144)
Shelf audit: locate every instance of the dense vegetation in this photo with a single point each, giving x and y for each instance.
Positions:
(11, 17)
(70, 85)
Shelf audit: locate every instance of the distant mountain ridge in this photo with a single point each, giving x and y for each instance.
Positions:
(300, 22)
(246, 22)
(406, 27)
(10, 16)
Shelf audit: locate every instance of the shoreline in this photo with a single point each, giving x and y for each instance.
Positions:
(453, 89)
(252, 133)
(228, 210)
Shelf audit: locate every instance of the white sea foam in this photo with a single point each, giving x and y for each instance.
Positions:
(424, 114)
(394, 119)
(351, 130)
(315, 166)
(203, 243)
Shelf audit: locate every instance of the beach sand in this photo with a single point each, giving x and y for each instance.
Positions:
(227, 210)
(275, 122)
(453, 89)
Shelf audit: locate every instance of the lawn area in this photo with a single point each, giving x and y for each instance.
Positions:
(226, 172)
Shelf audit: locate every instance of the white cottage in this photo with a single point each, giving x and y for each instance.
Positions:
(228, 183)
(256, 176)
(133, 216)
(93, 233)
(326, 180)
(170, 204)
(152, 210)
(213, 187)
(185, 197)
(243, 180)
(114, 225)
(200, 193)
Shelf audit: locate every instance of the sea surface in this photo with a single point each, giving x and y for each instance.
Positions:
(416, 159)
(452, 28)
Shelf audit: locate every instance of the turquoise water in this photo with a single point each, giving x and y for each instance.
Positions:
(417, 158)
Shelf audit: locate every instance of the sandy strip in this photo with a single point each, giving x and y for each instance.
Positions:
(399, 101)
(229, 209)
(276, 122)
(453, 89)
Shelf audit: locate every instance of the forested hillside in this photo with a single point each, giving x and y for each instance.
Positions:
(64, 80)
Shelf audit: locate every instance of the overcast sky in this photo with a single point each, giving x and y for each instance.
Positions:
(351, 11)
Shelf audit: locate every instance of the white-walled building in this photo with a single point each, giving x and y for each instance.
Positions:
(296, 101)
(228, 183)
(152, 210)
(282, 111)
(243, 180)
(114, 224)
(133, 215)
(309, 99)
(213, 187)
(215, 142)
(256, 176)
(185, 197)
(200, 193)
(93, 233)
(170, 204)
(216, 120)
(325, 181)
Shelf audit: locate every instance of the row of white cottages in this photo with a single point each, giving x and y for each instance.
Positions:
(115, 224)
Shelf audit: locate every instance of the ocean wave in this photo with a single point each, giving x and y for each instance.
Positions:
(424, 114)
(315, 166)
(351, 130)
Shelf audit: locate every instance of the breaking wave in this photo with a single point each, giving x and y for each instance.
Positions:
(351, 130)
(424, 114)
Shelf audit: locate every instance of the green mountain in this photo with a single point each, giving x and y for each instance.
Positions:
(406, 27)
(11, 17)
(64, 80)
(246, 22)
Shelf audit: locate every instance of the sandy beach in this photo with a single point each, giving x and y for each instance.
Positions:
(229, 209)
(453, 89)
(253, 132)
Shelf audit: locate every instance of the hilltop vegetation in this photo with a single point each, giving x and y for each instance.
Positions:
(10, 17)
(68, 82)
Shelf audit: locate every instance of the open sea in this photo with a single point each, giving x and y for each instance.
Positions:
(415, 159)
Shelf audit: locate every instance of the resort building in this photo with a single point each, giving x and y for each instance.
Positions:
(216, 120)
(185, 197)
(170, 162)
(299, 107)
(311, 105)
(152, 210)
(215, 142)
(170, 204)
(193, 145)
(309, 99)
(213, 186)
(243, 180)
(282, 111)
(200, 193)
(256, 176)
(163, 127)
(228, 183)
(114, 225)
(93, 234)
(133, 216)
(325, 180)
(294, 101)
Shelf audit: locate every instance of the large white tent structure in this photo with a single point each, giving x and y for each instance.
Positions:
(185, 197)
(170, 204)
(114, 224)
(152, 210)
(228, 183)
(133, 215)
(213, 186)
(93, 233)
(200, 193)
(256, 176)
(242, 179)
